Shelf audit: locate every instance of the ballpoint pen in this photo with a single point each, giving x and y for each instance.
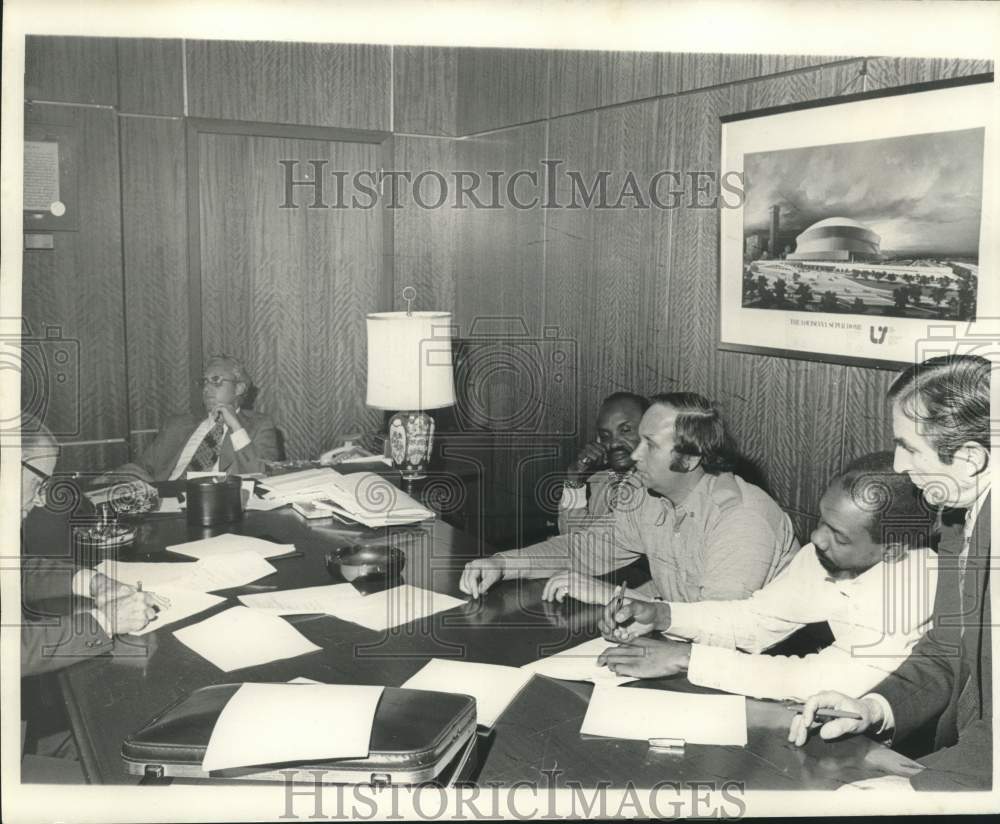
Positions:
(619, 601)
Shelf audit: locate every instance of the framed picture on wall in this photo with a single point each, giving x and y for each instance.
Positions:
(865, 227)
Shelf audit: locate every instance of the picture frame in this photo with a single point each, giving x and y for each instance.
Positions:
(863, 234)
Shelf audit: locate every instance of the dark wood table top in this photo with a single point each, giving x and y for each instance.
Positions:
(110, 697)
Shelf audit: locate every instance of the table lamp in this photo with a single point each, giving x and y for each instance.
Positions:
(410, 371)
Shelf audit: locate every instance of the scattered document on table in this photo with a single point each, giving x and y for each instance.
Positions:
(183, 603)
(321, 599)
(152, 574)
(579, 663)
(303, 680)
(643, 714)
(231, 569)
(170, 506)
(394, 607)
(241, 637)
(493, 686)
(221, 544)
(255, 504)
(277, 723)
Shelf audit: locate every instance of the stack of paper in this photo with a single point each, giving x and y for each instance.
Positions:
(280, 723)
(221, 544)
(241, 637)
(183, 603)
(493, 686)
(363, 497)
(644, 714)
(579, 664)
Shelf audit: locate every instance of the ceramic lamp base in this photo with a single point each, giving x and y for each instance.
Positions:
(411, 438)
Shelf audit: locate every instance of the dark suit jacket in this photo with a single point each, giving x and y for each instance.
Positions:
(158, 459)
(948, 674)
(51, 642)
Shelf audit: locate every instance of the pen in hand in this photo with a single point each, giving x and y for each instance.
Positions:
(826, 713)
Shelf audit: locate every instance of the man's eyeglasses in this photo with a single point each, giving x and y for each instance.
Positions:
(215, 380)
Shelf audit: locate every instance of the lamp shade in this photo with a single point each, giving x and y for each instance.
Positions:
(409, 360)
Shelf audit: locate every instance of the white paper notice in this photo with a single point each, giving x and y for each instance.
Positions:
(394, 607)
(183, 603)
(322, 599)
(231, 569)
(280, 723)
(152, 574)
(643, 714)
(579, 663)
(493, 686)
(221, 544)
(241, 637)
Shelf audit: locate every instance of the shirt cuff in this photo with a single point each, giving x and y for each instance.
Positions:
(240, 439)
(102, 621)
(706, 662)
(81, 582)
(573, 498)
(888, 719)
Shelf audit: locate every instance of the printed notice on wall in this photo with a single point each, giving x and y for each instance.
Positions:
(41, 175)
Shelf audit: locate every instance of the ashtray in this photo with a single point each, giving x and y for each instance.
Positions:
(364, 560)
(106, 535)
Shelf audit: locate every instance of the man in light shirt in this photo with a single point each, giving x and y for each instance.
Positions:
(229, 438)
(868, 573)
(102, 607)
(941, 426)
(708, 534)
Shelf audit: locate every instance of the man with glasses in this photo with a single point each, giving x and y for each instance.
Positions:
(229, 438)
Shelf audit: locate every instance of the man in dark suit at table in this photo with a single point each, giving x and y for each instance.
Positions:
(101, 607)
(708, 534)
(229, 438)
(941, 427)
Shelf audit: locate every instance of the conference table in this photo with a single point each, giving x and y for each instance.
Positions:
(538, 736)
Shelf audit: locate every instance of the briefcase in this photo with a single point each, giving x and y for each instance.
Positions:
(418, 737)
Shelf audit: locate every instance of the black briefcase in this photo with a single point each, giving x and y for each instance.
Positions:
(418, 737)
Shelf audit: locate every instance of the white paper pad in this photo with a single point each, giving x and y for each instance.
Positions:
(255, 504)
(277, 723)
(493, 686)
(579, 663)
(241, 637)
(170, 506)
(321, 599)
(645, 714)
(231, 569)
(153, 575)
(221, 544)
(394, 607)
(183, 603)
(303, 680)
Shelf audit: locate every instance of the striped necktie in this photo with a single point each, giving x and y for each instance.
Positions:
(207, 452)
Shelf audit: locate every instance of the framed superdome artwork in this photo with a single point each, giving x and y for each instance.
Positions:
(866, 227)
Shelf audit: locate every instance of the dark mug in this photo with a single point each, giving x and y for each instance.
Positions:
(212, 501)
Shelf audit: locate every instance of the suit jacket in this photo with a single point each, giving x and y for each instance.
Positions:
(948, 674)
(159, 458)
(53, 642)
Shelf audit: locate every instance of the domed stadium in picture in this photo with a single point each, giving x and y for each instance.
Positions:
(876, 227)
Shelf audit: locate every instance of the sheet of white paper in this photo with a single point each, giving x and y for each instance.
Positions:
(231, 569)
(322, 599)
(152, 574)
(241, 637)
(255, 504)
(394, 607)
(193, 475)
(643, 714)
(579, 663)
(221, 544)
(278, 723)
(303, 680)
(183, 603)
(493, 686)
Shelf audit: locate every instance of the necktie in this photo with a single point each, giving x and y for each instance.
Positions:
(207, 452)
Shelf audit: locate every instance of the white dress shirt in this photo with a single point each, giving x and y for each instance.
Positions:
(876, 618)
(239, 439)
